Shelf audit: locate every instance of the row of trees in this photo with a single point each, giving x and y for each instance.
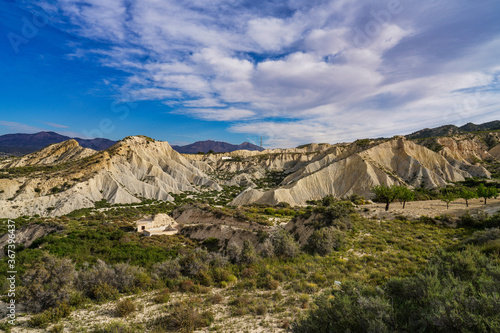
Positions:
(389, 194)
(450, 195)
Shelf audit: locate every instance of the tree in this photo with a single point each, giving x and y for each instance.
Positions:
(386, 193)
(468, 194)
(486, 192)
(405, 194)
(328, 200)
(448, 197)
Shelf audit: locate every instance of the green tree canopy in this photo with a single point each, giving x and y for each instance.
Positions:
(386, 193)
(405, 194)
(468, 194)
(486, 192)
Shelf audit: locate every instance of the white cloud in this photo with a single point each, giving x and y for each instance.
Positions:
(272, 34)
(19, 127)
(223, 114)
(55, 125)
(299, 61)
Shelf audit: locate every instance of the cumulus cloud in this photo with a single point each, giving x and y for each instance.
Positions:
(219, 114)
(298, 71)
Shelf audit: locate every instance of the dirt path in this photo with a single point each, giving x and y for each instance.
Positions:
(432, 208)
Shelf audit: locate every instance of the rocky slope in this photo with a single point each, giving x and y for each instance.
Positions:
(64, 177)
(495, 152)
(244, 167)
(202, 224)
(342, 172)
(26, 235)
(133, 169)
(63, 152)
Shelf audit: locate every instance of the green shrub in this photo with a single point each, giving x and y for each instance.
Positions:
(484, 236)
(354, 309)
(325, 240)
(269, 211)
(50, 281)
(477, 221)
(162, 297)
(244, 304)
(284, 245)
(170, 269)
(328, 201)
(216, 299)
(183, 317)
(339, 210)
(77, 299)
(53, 315)
(458, 292)
(125, 307)
(103, 292)
(357, 199)
(7, 328)
(248, 254)
(59, 328)
(103, 282)
(187, 286)
(114, 327)
(304, 300)
(192, 264)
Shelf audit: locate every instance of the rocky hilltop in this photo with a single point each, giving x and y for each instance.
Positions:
(64, 177)
(131, 170)
(353, 169)
(56, 153)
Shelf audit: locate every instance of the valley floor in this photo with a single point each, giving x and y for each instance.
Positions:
(432, 208)
(269, 294)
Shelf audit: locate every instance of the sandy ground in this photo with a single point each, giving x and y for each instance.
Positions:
(431, 208)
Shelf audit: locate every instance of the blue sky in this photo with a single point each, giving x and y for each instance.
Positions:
(292, 71)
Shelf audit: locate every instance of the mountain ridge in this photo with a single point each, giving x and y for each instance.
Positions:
(64, 177)
(215, 146)
(24, 143)
(447, 130)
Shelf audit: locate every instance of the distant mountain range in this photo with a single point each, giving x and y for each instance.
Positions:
(20, 144)
(215, 146)
(448, 130)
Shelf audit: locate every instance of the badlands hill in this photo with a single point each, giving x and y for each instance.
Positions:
(133, 169)
(63, 177)
(56, 153)
(342, 171)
